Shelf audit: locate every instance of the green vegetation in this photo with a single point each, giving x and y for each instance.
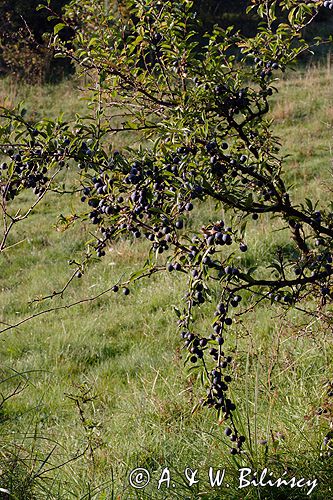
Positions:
(106, 377)
(24, 42)
(25, 32)
(169, 183)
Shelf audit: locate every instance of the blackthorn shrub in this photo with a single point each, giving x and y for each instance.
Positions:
(199, 103)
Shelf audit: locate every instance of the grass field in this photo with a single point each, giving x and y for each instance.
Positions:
(105, 389)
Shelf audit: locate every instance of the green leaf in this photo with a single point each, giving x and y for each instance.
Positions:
(177, 311)
(58, 27)
(137, 275)
(309, 204)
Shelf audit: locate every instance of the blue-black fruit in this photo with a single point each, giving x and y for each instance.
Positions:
(211, 239)
(221, 308)
(207, 261)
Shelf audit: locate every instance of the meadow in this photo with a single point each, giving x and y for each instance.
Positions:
(102, 388)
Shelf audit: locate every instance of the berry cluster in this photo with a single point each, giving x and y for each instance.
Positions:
(229, 101)
(266, 69)
(26, 174)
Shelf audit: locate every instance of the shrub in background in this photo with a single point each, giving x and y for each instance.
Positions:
(24, 51)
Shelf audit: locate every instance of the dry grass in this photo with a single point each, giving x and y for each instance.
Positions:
(8, 93)
(284, 110)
